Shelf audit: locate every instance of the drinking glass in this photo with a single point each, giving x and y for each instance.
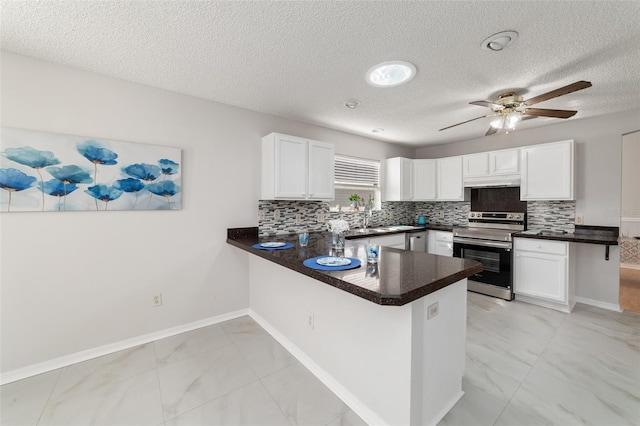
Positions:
(373, 253)
(303, 238)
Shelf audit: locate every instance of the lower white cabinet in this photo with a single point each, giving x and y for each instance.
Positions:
(544, 272)
(394, 240)
(440, 243)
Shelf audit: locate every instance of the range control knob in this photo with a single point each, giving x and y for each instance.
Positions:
(518, 216)
(509, 216)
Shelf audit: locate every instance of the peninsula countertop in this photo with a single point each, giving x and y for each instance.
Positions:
(400, 276)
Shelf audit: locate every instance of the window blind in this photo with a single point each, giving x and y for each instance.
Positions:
(358, 172)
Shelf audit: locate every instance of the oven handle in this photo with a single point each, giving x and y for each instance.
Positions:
(482, 243)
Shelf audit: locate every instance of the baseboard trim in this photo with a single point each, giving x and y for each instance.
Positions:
(365, 413)
(598, 304)
(630, 266)
(64, 361)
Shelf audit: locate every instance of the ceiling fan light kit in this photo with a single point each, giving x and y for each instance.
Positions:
(499, 41)
(509, 109)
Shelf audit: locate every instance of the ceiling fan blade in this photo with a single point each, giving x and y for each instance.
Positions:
(492, 130)
(528, 117)
(487, 104)
(473, 119)
(578, 85)
(555, 113)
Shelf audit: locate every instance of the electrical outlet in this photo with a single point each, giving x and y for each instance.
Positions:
(441, 214)
(262, 215)
(579, 219)
(298, 219)
(433, 310)
(320, 217)
(276, 215)
(311, 321)
(156, 300)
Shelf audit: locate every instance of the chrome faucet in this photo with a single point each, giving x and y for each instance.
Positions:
(367, 215)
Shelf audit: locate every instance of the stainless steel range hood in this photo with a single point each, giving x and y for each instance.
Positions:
(492, 181)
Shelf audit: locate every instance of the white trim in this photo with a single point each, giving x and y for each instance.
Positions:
(598, 304)
(630, 219)
(66, 360)
(630, 265)
(321, 374)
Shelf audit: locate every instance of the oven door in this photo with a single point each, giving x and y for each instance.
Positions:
(495, 257)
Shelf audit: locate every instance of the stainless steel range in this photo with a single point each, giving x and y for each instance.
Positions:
(488, 239)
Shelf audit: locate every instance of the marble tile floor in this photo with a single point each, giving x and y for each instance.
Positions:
(526, 365)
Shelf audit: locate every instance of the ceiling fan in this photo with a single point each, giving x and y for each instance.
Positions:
(509, 108)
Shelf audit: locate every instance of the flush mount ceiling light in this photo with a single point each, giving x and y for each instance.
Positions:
(390, 74)
(352, 103)
(499, 41)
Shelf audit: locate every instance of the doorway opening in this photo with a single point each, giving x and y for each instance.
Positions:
(630, 224)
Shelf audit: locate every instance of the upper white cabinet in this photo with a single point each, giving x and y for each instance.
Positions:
(295, 168)
(548, 171)
(504, 162)
(424, 180)
(492, 168)
(398, 179)
(449, 179)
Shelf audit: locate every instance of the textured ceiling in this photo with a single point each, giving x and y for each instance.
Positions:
(303, 59)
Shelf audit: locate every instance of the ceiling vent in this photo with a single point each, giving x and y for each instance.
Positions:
(499, 41)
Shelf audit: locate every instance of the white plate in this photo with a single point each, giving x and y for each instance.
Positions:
(334, 261)
(272, 244)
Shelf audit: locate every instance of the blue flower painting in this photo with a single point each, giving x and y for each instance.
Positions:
(130, 185)
(57, 188)
(166, 189)
(41, 165)
(33, 158)
(104, 193)
(146, 172)
(13, 180)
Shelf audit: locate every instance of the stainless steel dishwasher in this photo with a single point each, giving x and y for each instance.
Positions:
(416, 241)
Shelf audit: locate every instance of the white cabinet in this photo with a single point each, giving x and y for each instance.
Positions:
(449, 179)
(548, 171)
(504, 162)
(394, 240)
(398, 179)
(543, 273)
(440, 243)
(424, 180)
(295, 168)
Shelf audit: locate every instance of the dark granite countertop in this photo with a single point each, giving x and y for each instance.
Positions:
(605, 235)
(400, 276)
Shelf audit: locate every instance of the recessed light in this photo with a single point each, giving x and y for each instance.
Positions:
(352, 103)
(390, 74)
(499, 41)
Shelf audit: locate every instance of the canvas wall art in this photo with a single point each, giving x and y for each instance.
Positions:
(41, 171)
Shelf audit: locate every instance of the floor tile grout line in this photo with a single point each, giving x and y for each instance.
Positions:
(532, 367)
(155, 355)
(44, 407)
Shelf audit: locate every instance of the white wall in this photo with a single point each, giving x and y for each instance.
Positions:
(598, 151)
(75, 281)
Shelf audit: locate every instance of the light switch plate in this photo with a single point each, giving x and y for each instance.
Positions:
(579, 219)
(276, 215)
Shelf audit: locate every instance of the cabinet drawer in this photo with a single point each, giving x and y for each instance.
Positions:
(541, 246)
(444, 236)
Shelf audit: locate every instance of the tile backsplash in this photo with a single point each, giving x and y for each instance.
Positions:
(546, 215)
(392, 213)
(551, 215)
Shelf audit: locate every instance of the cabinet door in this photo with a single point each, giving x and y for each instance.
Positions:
(321, 167)
(476, 164)
(398, 179)
(290, 167)
(504, 162)
(424, 180)
(541, 275)
(449, 180)
(548, 172)
(395, 240)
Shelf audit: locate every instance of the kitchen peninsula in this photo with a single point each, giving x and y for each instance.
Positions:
(388, 339)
